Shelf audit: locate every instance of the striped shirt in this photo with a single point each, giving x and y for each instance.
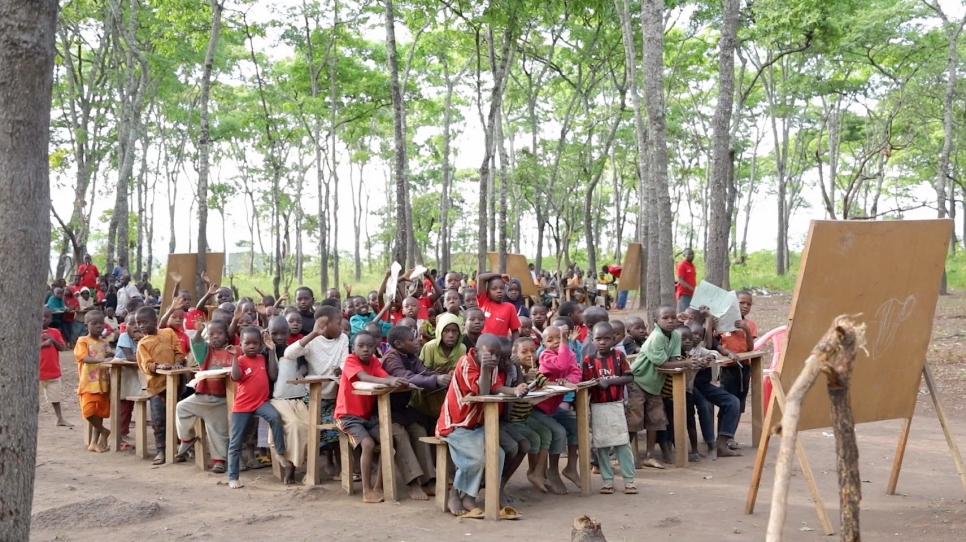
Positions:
(519, 412)
(612, 365)
(457, 413)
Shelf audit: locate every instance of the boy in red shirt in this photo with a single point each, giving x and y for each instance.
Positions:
(51, 344)
(355, 413)
(736, 378)
(460, 423)
(501, 318)
(252, 398)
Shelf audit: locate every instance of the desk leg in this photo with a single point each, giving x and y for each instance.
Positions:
(583, 440)
(385, 444)
(115, 408)
(491, 428)
(315, 418)
(757, 409)
(171, 414)
(680, 420)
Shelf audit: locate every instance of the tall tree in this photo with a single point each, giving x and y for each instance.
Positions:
(399, 138)
(204, 144)
(26, 81)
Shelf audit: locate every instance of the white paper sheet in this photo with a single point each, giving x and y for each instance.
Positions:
(723, 304)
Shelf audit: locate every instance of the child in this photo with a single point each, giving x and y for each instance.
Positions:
(363, 316)
(452, 302)
(573, 311)
(94, 380)
(538, 315)
(294, 322)
(569, 333)
(158, 349)
(127, 344)
(558, 362)
(57, 307)
(526, 330)
(706, 394)
(251, 397)
(538, 434)
(111, 327)
(290, 400)
(475, 321)
(440, 355)
(610, 369)
(515, 445)
(304, 299)
(51, 344)
(469, 299)
(375, 329)
(661, 349)
(356, 415)
(325, 349)
(636, 333)
(208, 402)
(515, 297)
(620, 333)
(501, 317)
(173, 319)
(736, 377)
(461, 423)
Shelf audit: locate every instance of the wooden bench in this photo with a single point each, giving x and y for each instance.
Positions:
(201, 444)
(140, 423)
(347, 458)
(442, 469)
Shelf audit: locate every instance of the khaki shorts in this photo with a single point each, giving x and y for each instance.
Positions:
(52, 390)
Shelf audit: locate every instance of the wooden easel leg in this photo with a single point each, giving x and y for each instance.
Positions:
(813, 489)
(944, 421)
(760, 457)
(900, 452)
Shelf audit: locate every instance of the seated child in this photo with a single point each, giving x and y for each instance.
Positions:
(736, 377)
(157, 349)
(208, 402)
(440, 355)
(363, 316)
(252, 374)
(375, 329)
(427, 329)
(706, 394)
(538, 315)
(452, 302)
(526, 330)
(127, 345)
(94, 379)
(461, 423)
(356, 414)
(173, 319)
(557, 363)
(469, 299)
(51, 344)
(515, 445)
(475, 320)
(610, 369)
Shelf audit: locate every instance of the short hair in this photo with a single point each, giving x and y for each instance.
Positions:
(363, 333)
(373, 329)
(566, 308)
(249, 331)
(474, 310)
(604, 327)
(744, 292)
(328, 311)
(399, 333)
(133, 304)
(304, 289)
(94, 315)
(565, 319)
(657, 311)
(489, 341)
(218, 323)
(522, 340)
(278, 322)
(618, 324)
(635, 321)
(330, 302)
(593, 315)
(406, 321)
(145, 313)
(220, 314)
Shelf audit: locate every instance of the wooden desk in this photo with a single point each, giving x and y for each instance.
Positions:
(756, 359)
(385, 439)
(172, 379)
(201, 432)
(314, 383)
(491, 428)
(679, 398)
(117, 365)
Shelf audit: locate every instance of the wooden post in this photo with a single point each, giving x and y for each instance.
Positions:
(201, 444)
(756, 399)
(385, 445)
(115, 407)
(171, 415)
(491, 428)
(680, 419)
(944, 422)
(900, 453)
(759, 466)
(583, 440)
(312, 451)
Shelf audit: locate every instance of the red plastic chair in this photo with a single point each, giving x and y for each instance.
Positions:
(777, 339)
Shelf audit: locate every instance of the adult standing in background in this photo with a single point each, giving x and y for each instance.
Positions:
(88, 273)
(687, 278)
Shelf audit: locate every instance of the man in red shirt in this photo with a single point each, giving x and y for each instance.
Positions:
(88, 273)
(687, 279)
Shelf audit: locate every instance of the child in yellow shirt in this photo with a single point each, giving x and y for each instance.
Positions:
(93, 379)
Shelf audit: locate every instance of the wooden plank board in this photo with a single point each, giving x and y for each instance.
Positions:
(516, 267)
(631, 269)
(886, 271)
(187, 266)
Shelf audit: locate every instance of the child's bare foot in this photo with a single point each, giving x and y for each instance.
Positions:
(429, 488)
(416, 492)
(63, 423)
(454, 504)
(572, 475)
(102, 445)
(371, 497)
(330, 468)
(92, 447)
(467, 502)
(288, 474)
(538, 481)
(505, 498)
(235, 484)
(554, 484)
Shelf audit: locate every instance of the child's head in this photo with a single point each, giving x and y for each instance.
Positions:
(331, 318)
(452, 302)
(132, 329)
(490, 344)
(538, 314)
(155, 293)
(564, 323)
(373, 299)
(327, 302)
(637, 328)
(250, 338)
(552, 337)
(506, 352)
(349, 306)
(431, 314)
(495, 289)
(224, 295)
(666, 318)
(403, 339)
(594, 315)
(744, 302)
(109, 312)
(345, 327)
(449, 335)
(452, 281)
(603, 337)
(304, 298)
(147, 320)
(248, 309)
(687, 338)
(526, 326)
(217, 334)
(46, 317)
(469, 298)
(410, 307)
(363, 346)
(59, 293)
(333, 293)
(374, 329)
(526, 351)
(94, 320)
(407, 321)
(475, 320)
(692, 314)
(228, 307)
(176, 319)
(134, 304)
(697, 331)
(186, 296)
(294, 321)
(513, 290)
(278, 329)
(221, 315)
(570, 310)
(85, 293)
(268, 301)
(359, 305)
(619, 331)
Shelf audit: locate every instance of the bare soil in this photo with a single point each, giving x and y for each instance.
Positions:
(115, 496)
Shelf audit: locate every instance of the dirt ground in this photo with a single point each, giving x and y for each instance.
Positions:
(115, 496)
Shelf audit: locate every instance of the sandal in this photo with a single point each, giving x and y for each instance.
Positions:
(630, 489)
(508, 512)
(218, 468)
(158, 459)
(608, 489)
(476, 513)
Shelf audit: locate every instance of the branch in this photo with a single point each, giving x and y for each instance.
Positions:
(67, 231)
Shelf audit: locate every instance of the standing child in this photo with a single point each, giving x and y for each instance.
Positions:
(475, 322)
(356, 415)
(158, 349)
(501, 317)
(736, 378)
(51, 345)
(127, 345)
(94, 380)
(363, 316)
(612, 372)
(252, 398)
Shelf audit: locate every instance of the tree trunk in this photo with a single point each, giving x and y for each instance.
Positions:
(399, 137)
(444, 226)
(333, 119)
(203, 147)
(720, 222)
(942, 175)
(26, 79)
(504, 158)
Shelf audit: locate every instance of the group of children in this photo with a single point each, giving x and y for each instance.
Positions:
(435, 343)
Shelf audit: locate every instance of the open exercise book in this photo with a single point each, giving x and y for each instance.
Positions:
(210, 373)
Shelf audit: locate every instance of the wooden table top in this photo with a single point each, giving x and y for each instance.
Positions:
(181, 371)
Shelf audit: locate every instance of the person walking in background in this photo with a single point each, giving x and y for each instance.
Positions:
(687, 278)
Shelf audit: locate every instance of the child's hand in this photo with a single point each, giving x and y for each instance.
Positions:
(238, 312)
(398, 383)
(267, 338)
(566, 383)
(177, 303)
(348, 289)
(212, 288)
(283, 297)
(199, 325)
(488, 360)
(178, 365)
(164, 367)
(319, 326)
(505, 278)
(741, 324)
(520, 390)
(443, 380)
(337, 372)
(175, 276)
(603, 383)
(206, 280)
(574, 333)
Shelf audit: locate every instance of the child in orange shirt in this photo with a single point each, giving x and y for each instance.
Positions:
(93, 379)
(736, 378)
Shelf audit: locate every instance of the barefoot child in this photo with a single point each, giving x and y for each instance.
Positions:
(501, 316)
(158, 349)
(515, 445)
(51, 344)
(558, 362)
(610, 369)
(127, 344)
(290, 400)
(736, 377)
(93, 379)
(252, 374)
(440, 355)
(356, 414)
(461, 423)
